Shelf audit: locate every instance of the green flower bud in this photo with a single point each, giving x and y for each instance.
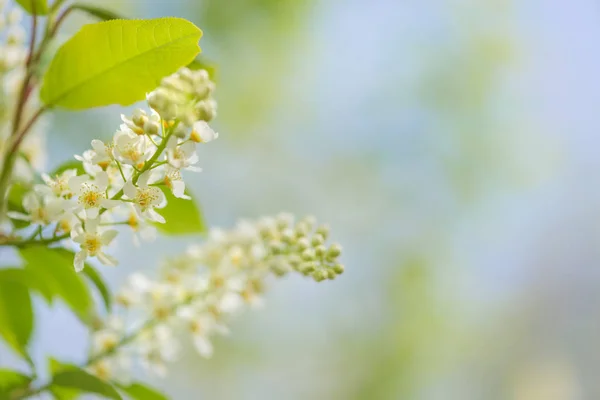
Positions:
(334, 251)
(308, 254)
(320, 275)
(303, 243)
(338, 268)
(323, 230)
(317, 239)
(320, 251)
(307, 267)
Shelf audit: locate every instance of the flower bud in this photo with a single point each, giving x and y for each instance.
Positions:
(323, 230)
(317, 240)
(303, 243)
(308, 255)
(320, 275)
(151, 127)
(320, 251)
(307, 267)
(334, 251)
(338, 268)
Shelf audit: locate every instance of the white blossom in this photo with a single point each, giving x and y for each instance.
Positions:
(92, 243)
(91, 193)
(145, 198)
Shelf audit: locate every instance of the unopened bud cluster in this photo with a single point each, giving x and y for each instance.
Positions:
(198, 290)
(185, 96)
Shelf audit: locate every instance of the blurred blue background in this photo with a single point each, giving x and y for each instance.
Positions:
(453, 147)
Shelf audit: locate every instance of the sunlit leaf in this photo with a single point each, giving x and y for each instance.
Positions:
(98, 12)
(10, 379)
(139, 391)
(79, 379)
(118, 61)
(183, 216)
(55, 267)
(38, 7)
(16, 312)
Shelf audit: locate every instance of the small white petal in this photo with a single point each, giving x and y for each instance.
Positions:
(154, 216)
(129, 189)
(92, 213)
(178, 188)
(76, 182)
(108, 236)
(79, 260)
(102, 180)
(107, 260)
(143, 179)
(203, 346)
(108, 203)
(18, 215)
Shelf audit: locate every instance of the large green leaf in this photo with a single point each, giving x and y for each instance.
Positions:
(38, 7)
(54, 266)
(16, 312)
(79, 379)
(118, 61)
(10, 379)
(183, 216)
(139, 391)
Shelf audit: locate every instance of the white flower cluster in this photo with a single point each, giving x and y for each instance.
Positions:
(124, 177)
(198, 290)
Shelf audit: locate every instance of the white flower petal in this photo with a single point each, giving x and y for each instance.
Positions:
(107, 259)
(18, 215)
(129, 190)
(143, 179)
(92, 213)
(79, 261)
(203, 346)
(76, 182)
(154, 216)
(108, 236)
(102, 180)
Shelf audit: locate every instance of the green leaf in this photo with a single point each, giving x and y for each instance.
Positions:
(183, 216)
(203, 63)
(16, 312)
(139, 391)
(15, 203)
(37, 7)
(54, 266)
(73, 164)
(27, 279)
(118, 61)
(79, 379)
(10, 379)
(97, 280)
(98, 12)
(62, 393)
